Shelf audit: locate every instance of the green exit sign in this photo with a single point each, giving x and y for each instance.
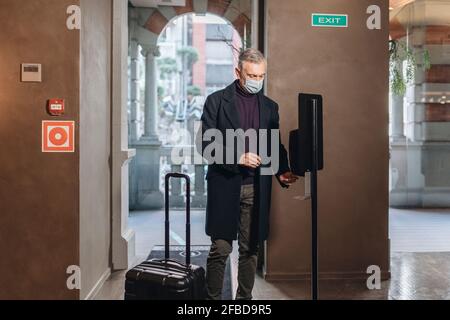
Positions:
(329, 20)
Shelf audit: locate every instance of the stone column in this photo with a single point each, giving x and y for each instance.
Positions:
(398, 162)
(134, 102)
(148, 148)
(134, 116)
(134, 90)
(151, 92)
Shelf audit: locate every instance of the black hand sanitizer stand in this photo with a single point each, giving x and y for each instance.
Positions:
(306, 155)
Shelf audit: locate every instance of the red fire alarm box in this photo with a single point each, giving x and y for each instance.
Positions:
(55, 107)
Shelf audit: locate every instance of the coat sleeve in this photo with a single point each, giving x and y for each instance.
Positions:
(283, 155)
(209, 121)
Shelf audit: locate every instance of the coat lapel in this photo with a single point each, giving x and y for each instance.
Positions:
(230, 108)
(264, 112)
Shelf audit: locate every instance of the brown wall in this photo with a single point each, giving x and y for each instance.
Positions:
(349, 67)
(39, 202)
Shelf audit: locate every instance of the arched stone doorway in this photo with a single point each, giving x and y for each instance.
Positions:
(146, 26)
(145, 184)
(143, 29)
(238, 12)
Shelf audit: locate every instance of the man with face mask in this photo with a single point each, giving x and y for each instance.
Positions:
(239, 195)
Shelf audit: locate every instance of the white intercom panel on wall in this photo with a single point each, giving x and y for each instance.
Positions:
(31, 72)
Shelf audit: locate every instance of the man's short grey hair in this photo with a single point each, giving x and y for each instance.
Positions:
(251, 55)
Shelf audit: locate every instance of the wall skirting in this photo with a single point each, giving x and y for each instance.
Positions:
(98, 285)
(385, 275)
(427, 197)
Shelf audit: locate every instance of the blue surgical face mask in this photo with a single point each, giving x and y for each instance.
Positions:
(253, 86)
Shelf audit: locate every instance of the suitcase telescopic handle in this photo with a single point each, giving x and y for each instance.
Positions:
(188, 215)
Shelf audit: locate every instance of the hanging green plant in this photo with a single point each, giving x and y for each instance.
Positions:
(426, 60)
(399, 52)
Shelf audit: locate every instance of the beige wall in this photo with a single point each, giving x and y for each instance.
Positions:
(349, 67)
(95, 132)
(39, 202)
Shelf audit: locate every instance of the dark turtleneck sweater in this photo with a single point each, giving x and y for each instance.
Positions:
(248, 107)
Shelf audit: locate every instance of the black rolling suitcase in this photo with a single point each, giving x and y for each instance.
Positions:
(167, 279)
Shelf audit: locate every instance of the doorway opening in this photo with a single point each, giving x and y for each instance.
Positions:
(192, 57)
(419, 129)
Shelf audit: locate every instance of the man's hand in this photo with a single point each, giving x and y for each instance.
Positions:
(250, 160)
(288, 178)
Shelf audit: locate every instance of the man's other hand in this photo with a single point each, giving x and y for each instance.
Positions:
(250, 160)
(288, 178)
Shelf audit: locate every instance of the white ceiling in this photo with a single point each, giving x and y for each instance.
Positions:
(423, 13)
(156, 3)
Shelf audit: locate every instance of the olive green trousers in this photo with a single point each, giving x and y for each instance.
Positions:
(248, 253)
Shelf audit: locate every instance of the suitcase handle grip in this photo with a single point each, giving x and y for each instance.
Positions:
(169, 260)
(188, 214)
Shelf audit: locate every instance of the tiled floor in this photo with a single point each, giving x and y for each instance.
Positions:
(414, 275)
(149, 229)
(419, 230)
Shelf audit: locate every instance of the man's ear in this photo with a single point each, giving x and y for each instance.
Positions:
(238, 73)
